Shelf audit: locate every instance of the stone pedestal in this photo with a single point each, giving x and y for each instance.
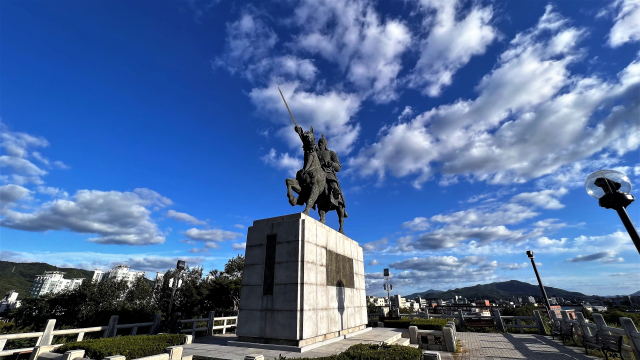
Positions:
(303, 283)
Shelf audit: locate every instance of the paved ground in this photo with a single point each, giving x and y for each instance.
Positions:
(488, 346)
(475, 346)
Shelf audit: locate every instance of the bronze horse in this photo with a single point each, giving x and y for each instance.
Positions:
(311, 182)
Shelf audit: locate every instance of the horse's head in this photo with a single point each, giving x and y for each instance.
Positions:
(308, 140)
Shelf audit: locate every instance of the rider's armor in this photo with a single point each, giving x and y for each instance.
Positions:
(331, 165)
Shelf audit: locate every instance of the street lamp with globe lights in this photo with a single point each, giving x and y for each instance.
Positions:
(612, 189)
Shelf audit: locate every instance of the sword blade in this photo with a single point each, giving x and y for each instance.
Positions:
(285, 104)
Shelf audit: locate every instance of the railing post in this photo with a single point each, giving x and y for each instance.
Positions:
(111, 330)
(463, 325)
(224, 326)
(134, 330)
(210, 323)
(155, 328)
(47, 335)
(630, 330)
(498, 318)
(80, 336)
(426, 313)
(599, 320)
(519, 323)
(3, 342)
(539, 323)
(193, 329)
(586, 331)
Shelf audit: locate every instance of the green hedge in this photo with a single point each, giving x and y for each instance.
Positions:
(373, 352)
(422, 324)
(431, 324)
(403, 323)
(132, 347)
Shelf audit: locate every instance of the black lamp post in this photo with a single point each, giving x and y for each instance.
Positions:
(612, 189)
(544, 293)
(180, 266)
(388, 287)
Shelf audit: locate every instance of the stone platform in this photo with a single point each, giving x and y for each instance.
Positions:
(215, 347)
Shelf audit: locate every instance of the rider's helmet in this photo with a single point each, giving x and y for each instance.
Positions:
(323, 142)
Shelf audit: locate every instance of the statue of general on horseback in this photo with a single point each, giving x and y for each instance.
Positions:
(317, 183)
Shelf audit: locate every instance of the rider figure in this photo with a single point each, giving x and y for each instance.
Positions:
(331, 165)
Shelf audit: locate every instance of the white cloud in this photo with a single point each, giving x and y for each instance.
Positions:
(21, 166)
(330, 113)
(352, 35)
(12, 193)
(239, 226)
(606, 255)
(627, 23)
(239, 246)
(40, 158)
(502, 214)
(375, 245)
(452, 235)
(249, 39)
(514, 266)
(454, 37)
(373, 262)
(546, 199)
(211, 235)
(417, 224)
(531, 117)
(406, 113)
(421, 273)
(121, 218)
(283, 162)
(184, 217)
(52, 191)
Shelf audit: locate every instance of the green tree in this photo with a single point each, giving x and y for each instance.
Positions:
(223, 287)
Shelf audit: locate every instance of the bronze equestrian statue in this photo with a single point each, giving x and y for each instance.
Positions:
(316, 183)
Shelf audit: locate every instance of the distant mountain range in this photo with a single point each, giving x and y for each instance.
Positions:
(19, 276)
(497, 290)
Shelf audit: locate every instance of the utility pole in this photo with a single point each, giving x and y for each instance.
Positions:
(387, 286)
(179, 268)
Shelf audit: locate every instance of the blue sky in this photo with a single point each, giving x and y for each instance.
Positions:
(141, 132)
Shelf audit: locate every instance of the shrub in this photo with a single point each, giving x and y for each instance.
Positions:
(373, 352)
(132, 347)
(430, 324)
(399, 324)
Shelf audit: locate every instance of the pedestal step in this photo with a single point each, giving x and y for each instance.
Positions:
(402, 341)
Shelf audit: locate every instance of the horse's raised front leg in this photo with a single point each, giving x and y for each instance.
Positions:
(292, 184)
(340, 211)
(313, 196)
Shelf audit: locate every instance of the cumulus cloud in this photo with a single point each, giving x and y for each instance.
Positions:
(17, 147)
(406, 113)
(375, 245)
(352, 35)
(454, 37)
(330, 113)
(283, 162)
(514, 266)
(211, 235)
(249, 39)
(121, 218)
(417, 224)
(184, 217)
(606, 255)
(239, 246)
(626, 27)
(157, 263)
(373, 262)
(419, 273)
(531, 117)
(52, 191)
(546, 199)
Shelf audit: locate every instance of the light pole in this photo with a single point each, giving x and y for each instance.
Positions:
(179, 268)
(388, 287)
(544, 293)
(612, 189)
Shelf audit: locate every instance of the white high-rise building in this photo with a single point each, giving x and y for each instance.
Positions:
(119, 272)
(52, 282)
(9, 302)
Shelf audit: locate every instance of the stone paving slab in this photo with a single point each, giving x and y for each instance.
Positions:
(491, 346)
(215, 348)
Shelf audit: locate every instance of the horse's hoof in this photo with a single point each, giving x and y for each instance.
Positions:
(306, 212)
(293, 201)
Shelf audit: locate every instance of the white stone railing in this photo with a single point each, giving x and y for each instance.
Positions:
(170, 353)
(45, 338)
(582, 326)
